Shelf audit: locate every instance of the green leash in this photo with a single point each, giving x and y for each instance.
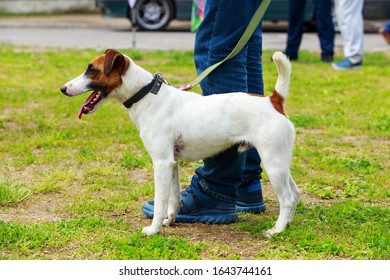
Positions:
(240, 45)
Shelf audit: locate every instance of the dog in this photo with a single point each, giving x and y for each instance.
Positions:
(171, 127)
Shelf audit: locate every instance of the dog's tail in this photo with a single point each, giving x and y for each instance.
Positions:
(283, 66)
(280, 94)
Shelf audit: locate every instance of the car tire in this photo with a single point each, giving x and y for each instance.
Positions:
(153, 15)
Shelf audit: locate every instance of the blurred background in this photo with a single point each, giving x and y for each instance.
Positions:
(156, 15)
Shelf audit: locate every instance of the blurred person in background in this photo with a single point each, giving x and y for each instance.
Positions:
(324, 26)
(385, 31)
(349, 16)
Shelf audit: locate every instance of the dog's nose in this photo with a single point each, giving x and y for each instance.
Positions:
(63, 89)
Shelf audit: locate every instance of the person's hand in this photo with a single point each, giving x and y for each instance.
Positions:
(184, 87)
(385, 34)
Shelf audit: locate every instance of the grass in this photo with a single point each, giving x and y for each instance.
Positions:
(73, 189)
(12, 193)
(107, 239)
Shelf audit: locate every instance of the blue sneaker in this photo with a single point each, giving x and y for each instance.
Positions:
(199, 207)
(346, 64)
(250, 198)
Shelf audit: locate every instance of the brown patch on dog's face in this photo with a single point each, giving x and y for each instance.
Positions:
(105, 72)
(102, 76)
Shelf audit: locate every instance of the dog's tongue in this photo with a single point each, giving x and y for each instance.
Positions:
(80, 113)
(85, 108)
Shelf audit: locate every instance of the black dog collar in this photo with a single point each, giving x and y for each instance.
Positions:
(153, 87)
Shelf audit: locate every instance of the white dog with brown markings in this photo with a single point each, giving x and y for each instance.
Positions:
(171, 126)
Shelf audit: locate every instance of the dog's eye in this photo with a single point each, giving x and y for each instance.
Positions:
(91, 70)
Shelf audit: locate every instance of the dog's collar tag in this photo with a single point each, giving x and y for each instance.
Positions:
(153, 87)
(158, 81)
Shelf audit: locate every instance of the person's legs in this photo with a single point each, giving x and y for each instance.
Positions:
(325, 29)
(223, 174)
(223, 24)
(350, 21)
(249, 193)
(295, 27)
(254, 63)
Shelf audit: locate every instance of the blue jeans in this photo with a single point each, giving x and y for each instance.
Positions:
(223, 24)
(324, 25)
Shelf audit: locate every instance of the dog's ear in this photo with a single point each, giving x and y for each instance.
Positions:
(114, 60)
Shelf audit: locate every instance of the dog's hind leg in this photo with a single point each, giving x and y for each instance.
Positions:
(174, 197)
(163, 176)
(296, 193)
(287, 197)
(276, 165)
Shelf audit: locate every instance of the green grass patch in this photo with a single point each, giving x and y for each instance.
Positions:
(73, 189)
(12, 193)
(106, 240)
(348, 230)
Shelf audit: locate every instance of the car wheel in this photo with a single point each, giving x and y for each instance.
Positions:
(153, 15)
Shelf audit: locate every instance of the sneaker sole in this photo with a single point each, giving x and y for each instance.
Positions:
(250, 208)
(335, 67)
(205, 217)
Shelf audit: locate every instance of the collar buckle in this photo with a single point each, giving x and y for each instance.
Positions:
(153, 87)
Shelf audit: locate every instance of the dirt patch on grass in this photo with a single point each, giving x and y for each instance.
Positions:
(43, 208)
(223, 240)
(364, 139)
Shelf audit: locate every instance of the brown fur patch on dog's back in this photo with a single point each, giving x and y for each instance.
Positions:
(277, 101)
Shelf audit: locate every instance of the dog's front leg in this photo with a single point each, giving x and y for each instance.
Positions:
(174, 197)
(163, 175)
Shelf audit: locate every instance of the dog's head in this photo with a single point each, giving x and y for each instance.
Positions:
(103, 75)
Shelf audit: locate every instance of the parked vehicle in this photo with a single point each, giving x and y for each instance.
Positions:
(149, 15)
(156, 15)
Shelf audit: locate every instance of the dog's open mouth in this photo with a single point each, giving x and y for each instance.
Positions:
(92, 103)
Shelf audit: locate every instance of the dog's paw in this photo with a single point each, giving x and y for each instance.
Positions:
(168, 222)
(271, 232)
(150, 230)
(267, 234)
